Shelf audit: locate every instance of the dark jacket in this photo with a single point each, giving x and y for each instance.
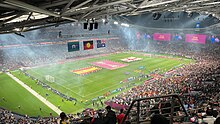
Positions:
(99, 121)
(110, 117)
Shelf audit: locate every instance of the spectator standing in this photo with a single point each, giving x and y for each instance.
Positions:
(217, 121)
(110, 116)
(99, 119)
(63, 118)
(120, 116)
(159, 119)
(209, 118)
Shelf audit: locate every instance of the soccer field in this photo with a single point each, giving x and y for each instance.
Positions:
(89, 78)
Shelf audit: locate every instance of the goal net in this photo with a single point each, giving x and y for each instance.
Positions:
(49, 78)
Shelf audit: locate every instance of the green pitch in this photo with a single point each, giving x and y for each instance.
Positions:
(85, 88)
(15, 98)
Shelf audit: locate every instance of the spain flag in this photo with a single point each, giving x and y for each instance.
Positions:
(88, 45)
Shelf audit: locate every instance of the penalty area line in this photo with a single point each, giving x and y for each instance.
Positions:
(60, 84)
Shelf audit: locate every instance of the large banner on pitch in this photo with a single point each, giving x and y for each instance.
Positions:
(196, 38)
(162, 37)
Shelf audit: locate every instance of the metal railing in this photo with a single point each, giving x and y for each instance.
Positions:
(137, 107)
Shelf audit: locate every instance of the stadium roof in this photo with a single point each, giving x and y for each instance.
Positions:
(25, 15)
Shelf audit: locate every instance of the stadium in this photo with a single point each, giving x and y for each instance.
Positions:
(110, 61)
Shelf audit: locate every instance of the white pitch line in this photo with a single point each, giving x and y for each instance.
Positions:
(49, 104)
(61, 85)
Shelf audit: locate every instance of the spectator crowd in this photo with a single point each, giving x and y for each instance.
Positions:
(198, 84)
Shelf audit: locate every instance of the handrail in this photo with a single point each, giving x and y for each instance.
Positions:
(163, 96)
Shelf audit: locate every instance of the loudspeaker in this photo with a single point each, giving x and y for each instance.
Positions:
(210, 16)
(85, 25)
(91, 26)
(96, 25)
(156, 16)
(190, 15)
(60, 34)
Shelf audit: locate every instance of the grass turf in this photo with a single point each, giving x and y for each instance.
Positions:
(13, 95)
(96, 84)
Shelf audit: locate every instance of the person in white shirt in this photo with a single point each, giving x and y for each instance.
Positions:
(209, 118)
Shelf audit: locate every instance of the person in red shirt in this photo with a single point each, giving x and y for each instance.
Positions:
(120, 116)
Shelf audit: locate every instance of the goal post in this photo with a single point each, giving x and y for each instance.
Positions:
(49, 78)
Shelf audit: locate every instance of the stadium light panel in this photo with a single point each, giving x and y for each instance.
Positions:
(124, 24)
(116, 23)
(17, 29)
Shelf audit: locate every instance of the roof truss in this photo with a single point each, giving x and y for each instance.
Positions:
(64, 11)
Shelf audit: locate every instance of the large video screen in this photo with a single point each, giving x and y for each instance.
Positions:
(162, 37)
(196, 38)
